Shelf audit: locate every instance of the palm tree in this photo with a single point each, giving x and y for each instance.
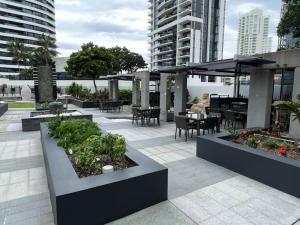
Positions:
(46, 51)
(19, 52)
(292, 106)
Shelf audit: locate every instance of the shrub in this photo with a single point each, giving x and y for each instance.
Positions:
(73, 132)
(114, 145)
(125, 94)
(271, 143)
(252, 141)
(234, 134)
(91, 144)
(53, 125)
(87, 160)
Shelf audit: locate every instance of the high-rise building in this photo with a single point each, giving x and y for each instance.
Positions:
(185, 31)
(287, 41)
(25, 20)
(254, 33)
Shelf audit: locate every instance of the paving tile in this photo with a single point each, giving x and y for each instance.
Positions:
(275, 212)
(253, 215)
(196, 212)
(161, 214)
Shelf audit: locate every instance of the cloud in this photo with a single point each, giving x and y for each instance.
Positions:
(124, 23)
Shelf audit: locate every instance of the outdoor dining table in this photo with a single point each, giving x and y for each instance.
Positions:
(200, 118)
(145, 111)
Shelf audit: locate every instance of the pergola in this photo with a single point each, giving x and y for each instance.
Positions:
(139, 97)
(261, 69)
(226, 68)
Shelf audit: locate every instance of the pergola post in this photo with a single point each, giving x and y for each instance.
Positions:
(165, 97)
(180, 93)
(260, 98)
(145, 96)
(135, 92)
(110, 89)
(113, 89)
(294, 124)
(115, 93)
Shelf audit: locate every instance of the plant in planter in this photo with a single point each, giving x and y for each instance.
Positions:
(87, 148)
(252, 141)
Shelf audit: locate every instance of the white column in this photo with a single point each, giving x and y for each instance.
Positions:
(294, 124)
(115, 90)
(180, 93)
(145, 80)
(165, 96)
(260, 98)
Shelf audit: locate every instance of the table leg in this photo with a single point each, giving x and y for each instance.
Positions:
(198, 128)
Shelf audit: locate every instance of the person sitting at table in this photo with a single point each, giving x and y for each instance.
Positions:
(201, 105)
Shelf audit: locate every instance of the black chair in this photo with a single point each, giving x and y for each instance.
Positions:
(182, 123)
(229, 119)
(210, 124)
(136, 115)
(154, 114)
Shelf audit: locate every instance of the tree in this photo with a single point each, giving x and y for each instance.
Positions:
(19, 52)
(43, 55)
(291, 106)
(133, 62)
(91, 61)
(290, 21)
(119, 58)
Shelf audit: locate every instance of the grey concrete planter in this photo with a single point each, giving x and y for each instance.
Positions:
(276, 171)
(3, 108)
(100, 199)
(33, 124)
(83, 104)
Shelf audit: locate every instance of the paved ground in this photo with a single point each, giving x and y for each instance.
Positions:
(199, 192)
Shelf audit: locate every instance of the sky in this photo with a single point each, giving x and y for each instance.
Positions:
(124, 23)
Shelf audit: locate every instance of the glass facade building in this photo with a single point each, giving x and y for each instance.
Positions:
(185, 31)
(25, 20)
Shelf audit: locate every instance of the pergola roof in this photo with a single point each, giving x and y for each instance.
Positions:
(227, 67)
(154, 76)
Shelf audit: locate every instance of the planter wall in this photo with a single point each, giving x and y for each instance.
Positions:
(276, 171)
(33, 124)
(100, 199)
(83, 104)
(3, 108)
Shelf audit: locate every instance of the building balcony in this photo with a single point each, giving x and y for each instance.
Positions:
(165, 3)
(185, 3)
(166, 19)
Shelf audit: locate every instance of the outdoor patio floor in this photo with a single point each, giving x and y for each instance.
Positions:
(199, 192)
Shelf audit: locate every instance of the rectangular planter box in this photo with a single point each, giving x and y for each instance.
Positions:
(276, 171)
(33, 124)
(100, 199)
(83, 104)
(3, 108)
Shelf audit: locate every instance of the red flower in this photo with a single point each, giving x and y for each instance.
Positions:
(268, 133)
(245, 132)
(282, 152)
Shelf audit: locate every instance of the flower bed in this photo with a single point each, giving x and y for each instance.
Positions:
(85, 104)
(88, 198)
(270, 168)
(266, 141)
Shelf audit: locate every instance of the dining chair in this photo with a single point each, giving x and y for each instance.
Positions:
(210, 124)
(136, 115)
(182, 123)
(154, 114)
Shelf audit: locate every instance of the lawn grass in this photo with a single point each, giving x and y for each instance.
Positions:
(20, 105)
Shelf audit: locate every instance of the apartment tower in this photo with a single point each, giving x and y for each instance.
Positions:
(254, 33)
(185, 31)
(25, 20)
